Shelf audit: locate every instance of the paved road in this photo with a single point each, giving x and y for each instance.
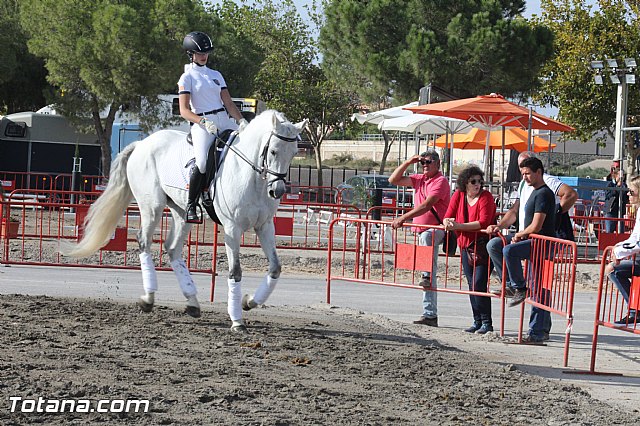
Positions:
(618, 351)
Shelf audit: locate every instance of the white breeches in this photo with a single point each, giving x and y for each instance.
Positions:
(202, 139)
(149, 277)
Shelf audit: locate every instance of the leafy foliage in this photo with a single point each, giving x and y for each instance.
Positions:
(106, 54)
(22, 75)
(289, 78)
(383, 48)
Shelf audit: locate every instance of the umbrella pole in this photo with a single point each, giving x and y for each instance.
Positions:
(488, 177)
(502, 186)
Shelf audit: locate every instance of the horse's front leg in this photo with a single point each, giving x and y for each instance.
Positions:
(173, 245)
(234, 300)
(266, 234)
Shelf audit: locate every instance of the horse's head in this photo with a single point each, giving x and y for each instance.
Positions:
(278, 152)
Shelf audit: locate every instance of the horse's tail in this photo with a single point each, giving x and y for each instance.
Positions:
(105, 213)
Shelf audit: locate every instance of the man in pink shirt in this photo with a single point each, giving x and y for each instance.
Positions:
(432, 191)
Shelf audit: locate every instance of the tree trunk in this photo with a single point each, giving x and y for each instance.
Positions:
(388, 143)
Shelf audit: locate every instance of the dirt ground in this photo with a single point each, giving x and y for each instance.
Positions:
(297, 366)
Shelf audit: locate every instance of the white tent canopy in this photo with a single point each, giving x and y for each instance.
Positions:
(376, 117)
(424, 124)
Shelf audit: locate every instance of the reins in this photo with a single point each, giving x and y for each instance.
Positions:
(264, 170)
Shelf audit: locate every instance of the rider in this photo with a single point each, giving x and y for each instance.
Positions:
(206, 103)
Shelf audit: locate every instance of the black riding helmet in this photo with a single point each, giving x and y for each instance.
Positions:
(197, 42)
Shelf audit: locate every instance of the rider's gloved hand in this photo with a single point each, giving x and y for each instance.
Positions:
(209, 126)
(242, 124)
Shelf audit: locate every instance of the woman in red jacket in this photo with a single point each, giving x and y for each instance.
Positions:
(472, 208)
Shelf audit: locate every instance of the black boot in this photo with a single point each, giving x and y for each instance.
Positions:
(195, 188)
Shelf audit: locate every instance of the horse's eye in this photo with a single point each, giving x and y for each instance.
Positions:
(273, 152)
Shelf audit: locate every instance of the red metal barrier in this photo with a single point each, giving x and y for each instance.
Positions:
(393, 258)
(611, 307)
(311, 194)
(551, 274)
(43, 224)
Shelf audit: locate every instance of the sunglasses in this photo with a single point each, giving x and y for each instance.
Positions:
(425, 161)
(476, 181)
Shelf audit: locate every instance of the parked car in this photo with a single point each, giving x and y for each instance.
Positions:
(359, 190)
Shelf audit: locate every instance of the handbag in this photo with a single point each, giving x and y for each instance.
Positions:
(450, 241)
(477, 250)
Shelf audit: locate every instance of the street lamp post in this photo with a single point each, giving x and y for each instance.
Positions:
(621, 75)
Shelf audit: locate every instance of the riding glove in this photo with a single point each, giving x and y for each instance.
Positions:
(242, 124)
(209, 126)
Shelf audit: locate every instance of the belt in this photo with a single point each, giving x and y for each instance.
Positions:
(214, 111)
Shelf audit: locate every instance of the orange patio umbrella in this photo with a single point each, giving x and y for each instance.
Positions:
(515, 138)
(491, 112)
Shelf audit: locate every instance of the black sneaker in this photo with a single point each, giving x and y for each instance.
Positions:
(545, 336)
(626, 321)
(533, 340)
(508, 292)
(431, 322)
(518, 297)
(484, 329)
(475, 327)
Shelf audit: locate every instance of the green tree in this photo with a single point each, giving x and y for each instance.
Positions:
(392, 48)
(22, 76)
(584, 34)
(104, 55)
(289, 78)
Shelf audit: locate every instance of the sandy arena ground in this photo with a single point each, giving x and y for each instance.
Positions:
(298, 365)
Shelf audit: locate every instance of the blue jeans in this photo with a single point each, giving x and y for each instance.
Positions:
(621, 278)
(611, 225)
(494, 247)
(480, 305)
(430, 298)
(513, 255)
(540, 319)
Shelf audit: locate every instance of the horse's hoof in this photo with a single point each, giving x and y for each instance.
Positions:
(240, 329)
(247, 303)
(192, 311)
(144, 306)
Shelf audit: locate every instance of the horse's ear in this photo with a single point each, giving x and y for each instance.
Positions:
(301, 125)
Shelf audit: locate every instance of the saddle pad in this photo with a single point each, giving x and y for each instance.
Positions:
(174, 168)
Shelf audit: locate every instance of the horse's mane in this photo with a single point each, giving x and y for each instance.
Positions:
(264, 121)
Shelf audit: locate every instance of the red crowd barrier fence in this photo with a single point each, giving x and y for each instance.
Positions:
(613, 310)
(550, 275)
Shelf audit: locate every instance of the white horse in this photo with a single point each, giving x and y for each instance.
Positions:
(248, 187)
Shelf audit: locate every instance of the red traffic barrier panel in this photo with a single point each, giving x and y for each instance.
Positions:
(613, 309)
(396, 258)
(41, 229)
(550, 276)
(305, 226)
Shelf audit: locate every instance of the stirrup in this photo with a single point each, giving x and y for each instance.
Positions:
(192, 213)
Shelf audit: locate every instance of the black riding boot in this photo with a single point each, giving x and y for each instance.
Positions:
(195, 188)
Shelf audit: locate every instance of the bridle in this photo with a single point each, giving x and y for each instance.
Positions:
(264, 170)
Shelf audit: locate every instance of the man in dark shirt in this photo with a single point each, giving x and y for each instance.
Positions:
(539, 219)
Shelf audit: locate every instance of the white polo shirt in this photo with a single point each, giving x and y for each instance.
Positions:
(204, 85)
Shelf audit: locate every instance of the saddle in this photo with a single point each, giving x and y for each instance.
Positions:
(214, 161)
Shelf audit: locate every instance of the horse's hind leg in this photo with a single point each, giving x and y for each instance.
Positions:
(268, 244)
(173, 245)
